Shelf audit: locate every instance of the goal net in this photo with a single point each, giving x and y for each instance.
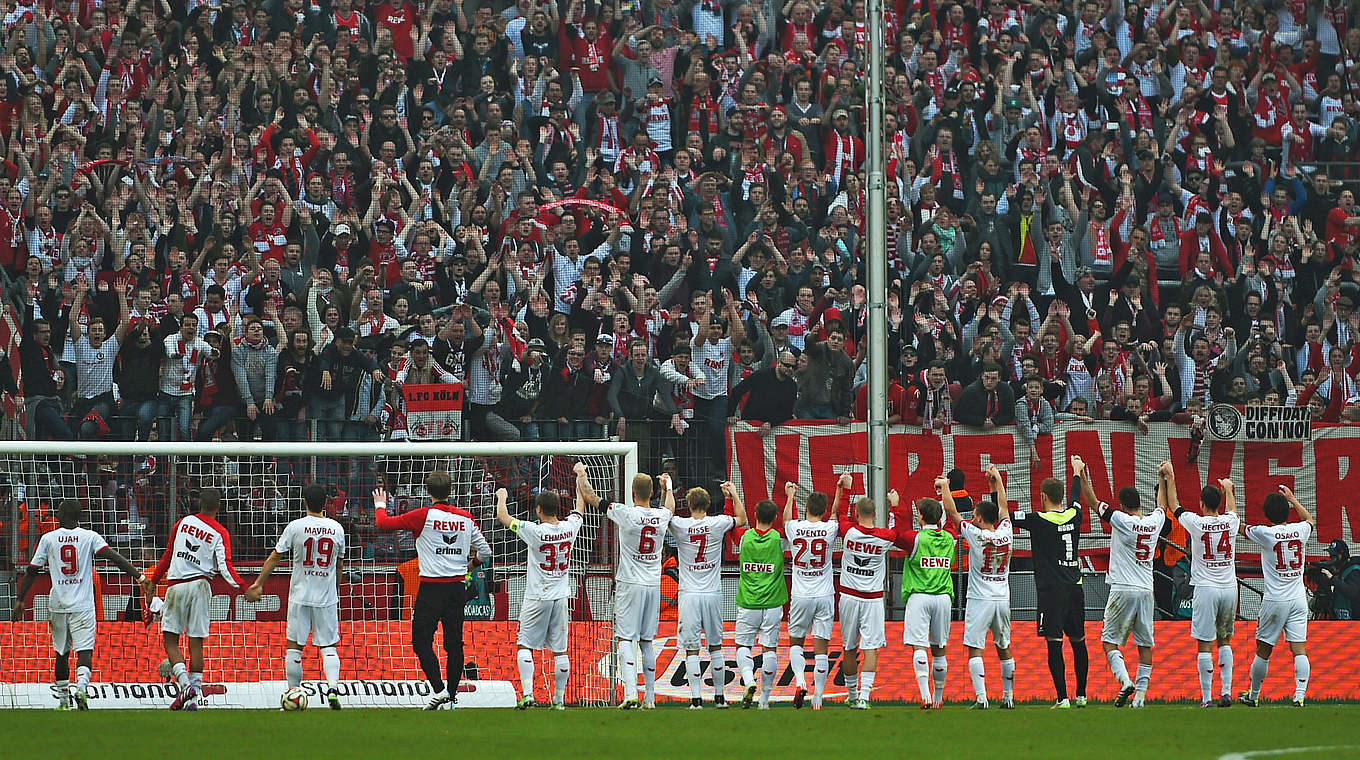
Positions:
(133, 493)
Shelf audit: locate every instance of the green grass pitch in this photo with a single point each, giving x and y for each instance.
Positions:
(1165, 732)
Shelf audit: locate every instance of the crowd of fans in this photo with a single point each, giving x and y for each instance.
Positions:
(264, 217)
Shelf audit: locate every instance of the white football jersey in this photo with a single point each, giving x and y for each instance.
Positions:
(1283, 555)
(68, 553)
(315, 545)
(1213, 548)
(699, 551)
(989, 560)
(810, 544)
(200, 548)
(642, 531)
(864, 560)
(1133, 543)
(549, 556)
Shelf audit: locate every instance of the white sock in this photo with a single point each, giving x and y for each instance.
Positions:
(866, 684)
(64, 692)
(1144, 678)
(977, 672)
(563, 673)
(696, 679)
(330, 664)
(1225, 668)
(1302, 669)
(82, 678)
(181, 673)
(628, 669)
(798, 663)
(851, 685)
(648, 670)
(525, 659)
(1259, 668)
(821, 667)
(196, 681)
(717, 667)
(1206, 676)
(769, 665)
(746, 665)
(1008, 678)
(920, 662)
(941, 668)
(292, 666)
(1118, 668)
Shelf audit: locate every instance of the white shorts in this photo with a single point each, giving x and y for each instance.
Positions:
(983, 615)
(72, 631)
(813, 614)
(543, 624)
(1289, 617)
(758, 627)
(927, 620)
(186, 609)
(323, 623)
(1213, 612)
(1128, 611)
(862, 623)
(700, 614)
(636, 609)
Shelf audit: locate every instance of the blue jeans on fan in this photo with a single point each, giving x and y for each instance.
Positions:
(214, 419)
(710, 421)
(329, 415)
(136, 418)
(180, 410)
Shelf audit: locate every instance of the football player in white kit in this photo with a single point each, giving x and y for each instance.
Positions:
(1284, 607)
(1212, 541)
(637, 601)
(547, 587)
(1129, 607)
(812, 600)
(199, 548)
(316, 545)
(68, 553)
(989, 538)
(699, 551)
(864, 568)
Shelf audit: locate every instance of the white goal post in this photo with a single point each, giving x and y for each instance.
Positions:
(133, 492)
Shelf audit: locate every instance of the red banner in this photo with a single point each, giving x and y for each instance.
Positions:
(434, 411)
(1324, 472)
(251, 652)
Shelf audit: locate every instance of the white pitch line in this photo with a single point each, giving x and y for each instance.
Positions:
(1283, 751)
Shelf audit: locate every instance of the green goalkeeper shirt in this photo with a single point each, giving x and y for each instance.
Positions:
(927, 569)
(762, 586)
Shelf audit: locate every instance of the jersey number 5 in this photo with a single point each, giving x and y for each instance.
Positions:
(1143, 551)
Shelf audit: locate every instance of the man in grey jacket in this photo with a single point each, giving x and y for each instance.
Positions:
(1033, 415)
(253, 364)
(637, 392)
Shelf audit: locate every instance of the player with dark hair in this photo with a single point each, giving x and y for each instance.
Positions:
(1055, 536)
(445, 538)
(1284, 606)
(761, 596)
(547, 587)
(199, 548)
(316, 545)
(1212, 542)
(812, 601)
(69, 553)
(989, 538)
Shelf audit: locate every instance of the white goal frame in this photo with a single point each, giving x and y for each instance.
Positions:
(624, 453)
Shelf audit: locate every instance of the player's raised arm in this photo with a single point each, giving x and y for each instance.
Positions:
(667, 494)
(1297, 505)
(738, 509)
(1081, 482)
(1229, 496)
(947, 499)
(1167, 498)
(583, 489)
(790, 502)
(998, 491)
(503, 511)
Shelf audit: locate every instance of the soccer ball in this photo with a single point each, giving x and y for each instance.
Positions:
(294, 699)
